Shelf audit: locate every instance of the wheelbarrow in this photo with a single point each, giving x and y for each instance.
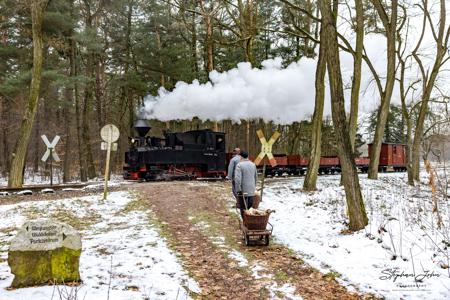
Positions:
(255, 228)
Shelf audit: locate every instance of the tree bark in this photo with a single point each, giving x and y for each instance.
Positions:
(85, 133)
(355, 204)
(18, 157)
(316, 131)
(356, 81)
(390, 27)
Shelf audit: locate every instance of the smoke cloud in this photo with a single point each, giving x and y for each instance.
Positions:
(273, 93)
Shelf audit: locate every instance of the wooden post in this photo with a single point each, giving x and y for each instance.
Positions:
(262, 181)
(51, 166)
(108, 156)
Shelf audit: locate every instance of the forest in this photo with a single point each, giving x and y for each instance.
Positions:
(336, 87)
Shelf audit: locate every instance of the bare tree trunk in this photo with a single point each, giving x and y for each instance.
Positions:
(74, 67)
(85, 133)
(18, 157)
(159, 47)
(36, 142)
(67, 124)
(316, 131)
(428, 78)
(99, 91)
(128, 91)
(391, 30)
(355, 204)
(209, 44)
(356, 81)
(194, 44)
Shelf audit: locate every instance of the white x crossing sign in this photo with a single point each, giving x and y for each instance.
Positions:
(50, 148)
(266, 148)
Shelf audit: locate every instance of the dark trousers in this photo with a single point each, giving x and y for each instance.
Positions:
(233, 188)
(248, 203)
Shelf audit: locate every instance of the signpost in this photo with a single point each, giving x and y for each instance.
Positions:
(110, 134)
(50, 153)
(266, 150)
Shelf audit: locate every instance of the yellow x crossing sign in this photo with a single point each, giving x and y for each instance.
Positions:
(266, 148)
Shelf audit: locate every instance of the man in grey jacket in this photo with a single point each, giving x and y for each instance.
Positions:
(232, 167)
(245, 178)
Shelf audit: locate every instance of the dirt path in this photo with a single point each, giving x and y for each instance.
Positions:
(202, 228)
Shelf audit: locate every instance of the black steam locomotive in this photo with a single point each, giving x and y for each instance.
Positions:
(181, 155)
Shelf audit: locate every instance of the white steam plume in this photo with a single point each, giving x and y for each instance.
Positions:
(273, 93)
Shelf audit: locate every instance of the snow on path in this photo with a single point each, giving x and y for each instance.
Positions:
(311, 223)
(116, 237)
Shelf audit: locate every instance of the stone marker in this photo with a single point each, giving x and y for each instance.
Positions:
(43, 252)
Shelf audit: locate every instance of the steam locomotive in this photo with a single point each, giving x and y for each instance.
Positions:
(201, 154)
(181, 155)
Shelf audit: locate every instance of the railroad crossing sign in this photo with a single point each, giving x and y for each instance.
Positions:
(50, 148)
(266, 148)
(50, 152)
(109, 133)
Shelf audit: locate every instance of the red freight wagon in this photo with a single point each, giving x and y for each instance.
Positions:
(391, 156)
(297, 160)
(362, 161)
(329, 161)
(281, 160)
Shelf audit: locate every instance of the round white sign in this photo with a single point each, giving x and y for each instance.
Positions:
(110, 133)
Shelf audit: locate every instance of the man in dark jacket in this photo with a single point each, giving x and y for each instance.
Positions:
(245, 177)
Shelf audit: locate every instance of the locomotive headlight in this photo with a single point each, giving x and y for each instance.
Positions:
(132, 140)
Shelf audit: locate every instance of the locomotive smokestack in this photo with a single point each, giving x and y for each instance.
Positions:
(141, 127)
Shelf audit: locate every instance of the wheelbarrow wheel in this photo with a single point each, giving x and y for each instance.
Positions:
(247, 240)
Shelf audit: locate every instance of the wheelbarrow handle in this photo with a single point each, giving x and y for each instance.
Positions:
(245, 200)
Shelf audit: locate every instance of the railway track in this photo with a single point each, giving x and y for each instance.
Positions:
(40, 187)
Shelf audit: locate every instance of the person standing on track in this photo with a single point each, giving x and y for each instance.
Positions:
(232, 167)
(245, 177)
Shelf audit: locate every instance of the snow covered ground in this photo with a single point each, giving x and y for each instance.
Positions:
(123, 257)
(401, 242)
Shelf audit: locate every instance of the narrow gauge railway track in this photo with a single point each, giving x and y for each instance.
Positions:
(41, 187)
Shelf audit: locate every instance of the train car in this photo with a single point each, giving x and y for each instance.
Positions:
(182, 155)
(392, 157)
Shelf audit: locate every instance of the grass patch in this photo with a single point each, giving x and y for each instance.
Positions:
(135, 205)
(75, 221)
(333, 275)
(281, 276)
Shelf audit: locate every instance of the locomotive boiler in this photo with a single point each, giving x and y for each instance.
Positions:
(179, 155)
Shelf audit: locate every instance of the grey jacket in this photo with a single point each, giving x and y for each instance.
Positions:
(245, 177)
(232, 166)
